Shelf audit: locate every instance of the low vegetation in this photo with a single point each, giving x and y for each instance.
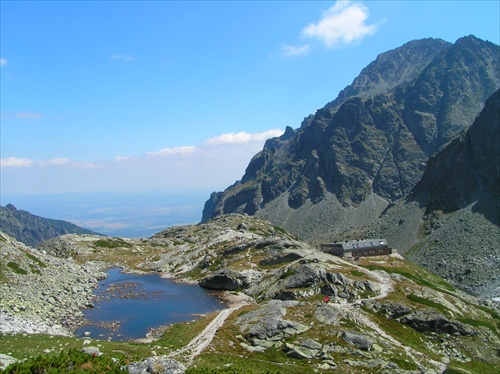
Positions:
(427, 302)
(16, 268)
(72, 361)
(25, 347)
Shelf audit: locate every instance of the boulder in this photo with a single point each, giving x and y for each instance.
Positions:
(225, 279)
(303, 277)
(357, 339)
(306, 349)
(327, 315)
(276, 329)
(265, 327)
(280, 259)
(311, 344)
(6, 360)
(93, 351)
(431, 321)
(390, 309)
(299, 352)
(157, 365)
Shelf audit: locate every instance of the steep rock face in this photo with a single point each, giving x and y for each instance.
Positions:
(33, 230)
(460, 190)
(467, 166)
(450, 223)
(370, 144)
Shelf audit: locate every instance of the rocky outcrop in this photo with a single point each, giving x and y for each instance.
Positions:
(225, 279)
(420, 320)
(390, 309)
(303, 350)
(266, 326)
(33, 230)
(431, 321)
(6, 360)
(305, 279)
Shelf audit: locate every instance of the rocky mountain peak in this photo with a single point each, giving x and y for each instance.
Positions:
(368, 147)
(392, 68)
(11, 208)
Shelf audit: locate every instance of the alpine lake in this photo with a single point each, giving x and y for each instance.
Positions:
(127, 305)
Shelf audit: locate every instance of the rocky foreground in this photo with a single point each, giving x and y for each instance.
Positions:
(299, 310)
(43, 293)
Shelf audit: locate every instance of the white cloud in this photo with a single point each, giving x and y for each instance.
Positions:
(3, 62)
(121, 57)
(212, 165)
(15, 162)
(57, 161)
(173, 151)
(292, 51)
(85, 165)
(243, 137)
(343, 23)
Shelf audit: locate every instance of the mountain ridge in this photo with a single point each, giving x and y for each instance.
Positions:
(32, 229)
(384, 140)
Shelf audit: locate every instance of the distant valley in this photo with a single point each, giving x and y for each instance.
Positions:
(130, 215)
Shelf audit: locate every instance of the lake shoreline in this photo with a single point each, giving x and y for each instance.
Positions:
(131, 305)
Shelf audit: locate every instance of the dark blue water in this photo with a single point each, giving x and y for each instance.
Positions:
(141, 302)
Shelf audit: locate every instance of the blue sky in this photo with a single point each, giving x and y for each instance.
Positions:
(127, 96)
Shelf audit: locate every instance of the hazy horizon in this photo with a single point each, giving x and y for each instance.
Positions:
(130, 215)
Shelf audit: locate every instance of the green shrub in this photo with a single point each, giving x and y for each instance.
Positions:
(280, 230)
(16, 268)
(357, 273)
(111, 243)
(404, 364)
(33, 258)
(432, 304)
(476, 323)
(73, 361)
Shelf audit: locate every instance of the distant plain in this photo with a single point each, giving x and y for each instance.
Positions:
(132, 215)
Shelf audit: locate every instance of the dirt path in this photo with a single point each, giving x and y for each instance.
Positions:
(386, 284)
(202, 340)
